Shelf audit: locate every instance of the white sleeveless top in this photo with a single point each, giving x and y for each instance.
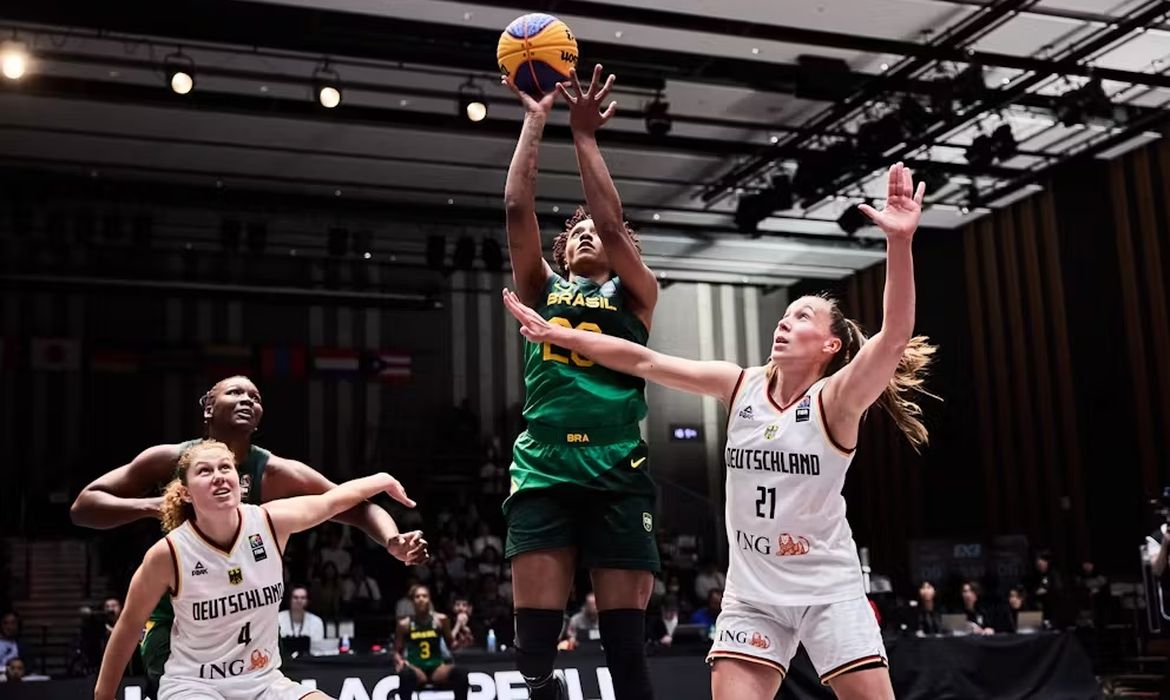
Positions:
(226, 605)
(786, 530)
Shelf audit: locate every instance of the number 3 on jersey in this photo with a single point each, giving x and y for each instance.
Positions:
(578, 360)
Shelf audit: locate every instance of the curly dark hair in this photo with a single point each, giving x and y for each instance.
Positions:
(562, 239)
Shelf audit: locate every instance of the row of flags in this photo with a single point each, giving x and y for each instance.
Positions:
(70, 355)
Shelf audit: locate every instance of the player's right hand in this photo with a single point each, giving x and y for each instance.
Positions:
(532, 325)
(531, 105)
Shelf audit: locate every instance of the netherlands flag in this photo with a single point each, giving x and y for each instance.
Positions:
(336, 361)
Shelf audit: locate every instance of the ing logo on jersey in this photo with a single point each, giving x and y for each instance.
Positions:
(259, 660)
(235, 576)
(760, 641)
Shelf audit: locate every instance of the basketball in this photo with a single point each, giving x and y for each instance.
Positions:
(536, 52)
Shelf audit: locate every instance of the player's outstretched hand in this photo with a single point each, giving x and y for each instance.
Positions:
(531, 105)
(586, 115)
(409, 548)
(899, 218)
(532, 326)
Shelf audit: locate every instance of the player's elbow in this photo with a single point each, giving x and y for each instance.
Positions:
(81, 512)
(516, 204)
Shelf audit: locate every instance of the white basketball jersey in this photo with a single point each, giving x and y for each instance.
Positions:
(789, 540)
(225, 628)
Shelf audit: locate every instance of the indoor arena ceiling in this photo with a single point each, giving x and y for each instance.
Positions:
(783, 113)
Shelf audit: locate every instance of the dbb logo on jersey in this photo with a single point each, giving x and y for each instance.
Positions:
(804, 409)
(770, 431)
(256, 542)
(199, 570)
(235, 576)
(742, 638)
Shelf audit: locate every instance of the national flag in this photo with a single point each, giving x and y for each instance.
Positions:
(388, 366)
(336, 361)
(114, 361)
(221, 361)
(54, 354)
(282, 362)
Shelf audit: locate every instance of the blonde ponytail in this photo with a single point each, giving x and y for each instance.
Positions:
(898, 399)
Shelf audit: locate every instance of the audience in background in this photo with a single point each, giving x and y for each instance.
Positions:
(1046, 588)
(463, 629)
(929, 615)
(706, 616)
(9, 629)
(359, 592)
(484, 538)
(979, 613)
(297, 621)
(661, 629)
(327, 589)
(584, 625)
(14, 670)
(710, 578)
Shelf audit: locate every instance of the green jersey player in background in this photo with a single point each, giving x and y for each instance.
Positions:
(232, 410)
(581, 488)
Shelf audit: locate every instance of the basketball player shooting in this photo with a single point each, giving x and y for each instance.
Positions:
(793, 425)
(581, 490)
(232, 410)
(221, 565)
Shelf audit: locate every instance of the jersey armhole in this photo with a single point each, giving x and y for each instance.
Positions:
(846, 451)
(175, 567)
(734, 396)
(272, 529)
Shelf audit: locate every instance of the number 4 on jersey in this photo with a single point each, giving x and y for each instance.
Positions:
(245, 633)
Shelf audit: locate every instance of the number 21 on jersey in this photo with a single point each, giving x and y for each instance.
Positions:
(579, 360)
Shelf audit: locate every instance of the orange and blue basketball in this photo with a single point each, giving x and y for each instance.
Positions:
(536, 52)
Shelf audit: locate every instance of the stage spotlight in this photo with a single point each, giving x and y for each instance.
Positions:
(981, 151)
(337, 244)
(658, 121)
(327, 86)
(750, 211)
(180, 72)
(472, 102)
(14, 60)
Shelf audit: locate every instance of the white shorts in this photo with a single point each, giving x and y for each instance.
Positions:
(265, 686)
(839, 637)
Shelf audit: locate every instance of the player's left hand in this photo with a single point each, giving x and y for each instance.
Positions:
(532, 325)
(408, 547)
(899, 218)
(585, 113)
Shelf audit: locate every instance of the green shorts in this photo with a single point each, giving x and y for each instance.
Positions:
(155, 649)
(608, 516)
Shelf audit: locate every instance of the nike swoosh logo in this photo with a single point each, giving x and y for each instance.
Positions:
(635, 463)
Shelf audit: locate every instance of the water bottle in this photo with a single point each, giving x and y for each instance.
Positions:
(343, 648)
(491, 641)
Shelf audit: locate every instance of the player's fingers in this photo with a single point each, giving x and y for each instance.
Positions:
(593, 80)
(576, 82)
(869, 211)
(398, 493)
(565, 94)
(920, 193)
(604, 91)
(609, 112)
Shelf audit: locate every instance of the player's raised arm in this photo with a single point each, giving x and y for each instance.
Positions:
(587, 113)
(707, 378)
(153, 578)
(291, 515)
(123, 495)
(530, 271)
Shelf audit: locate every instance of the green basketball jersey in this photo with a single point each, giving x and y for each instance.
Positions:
(424, 644)
(251, 473)
(568, 390)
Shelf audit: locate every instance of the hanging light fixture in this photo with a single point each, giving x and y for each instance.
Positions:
(180, 69)
(327, 85)
(14, 59)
